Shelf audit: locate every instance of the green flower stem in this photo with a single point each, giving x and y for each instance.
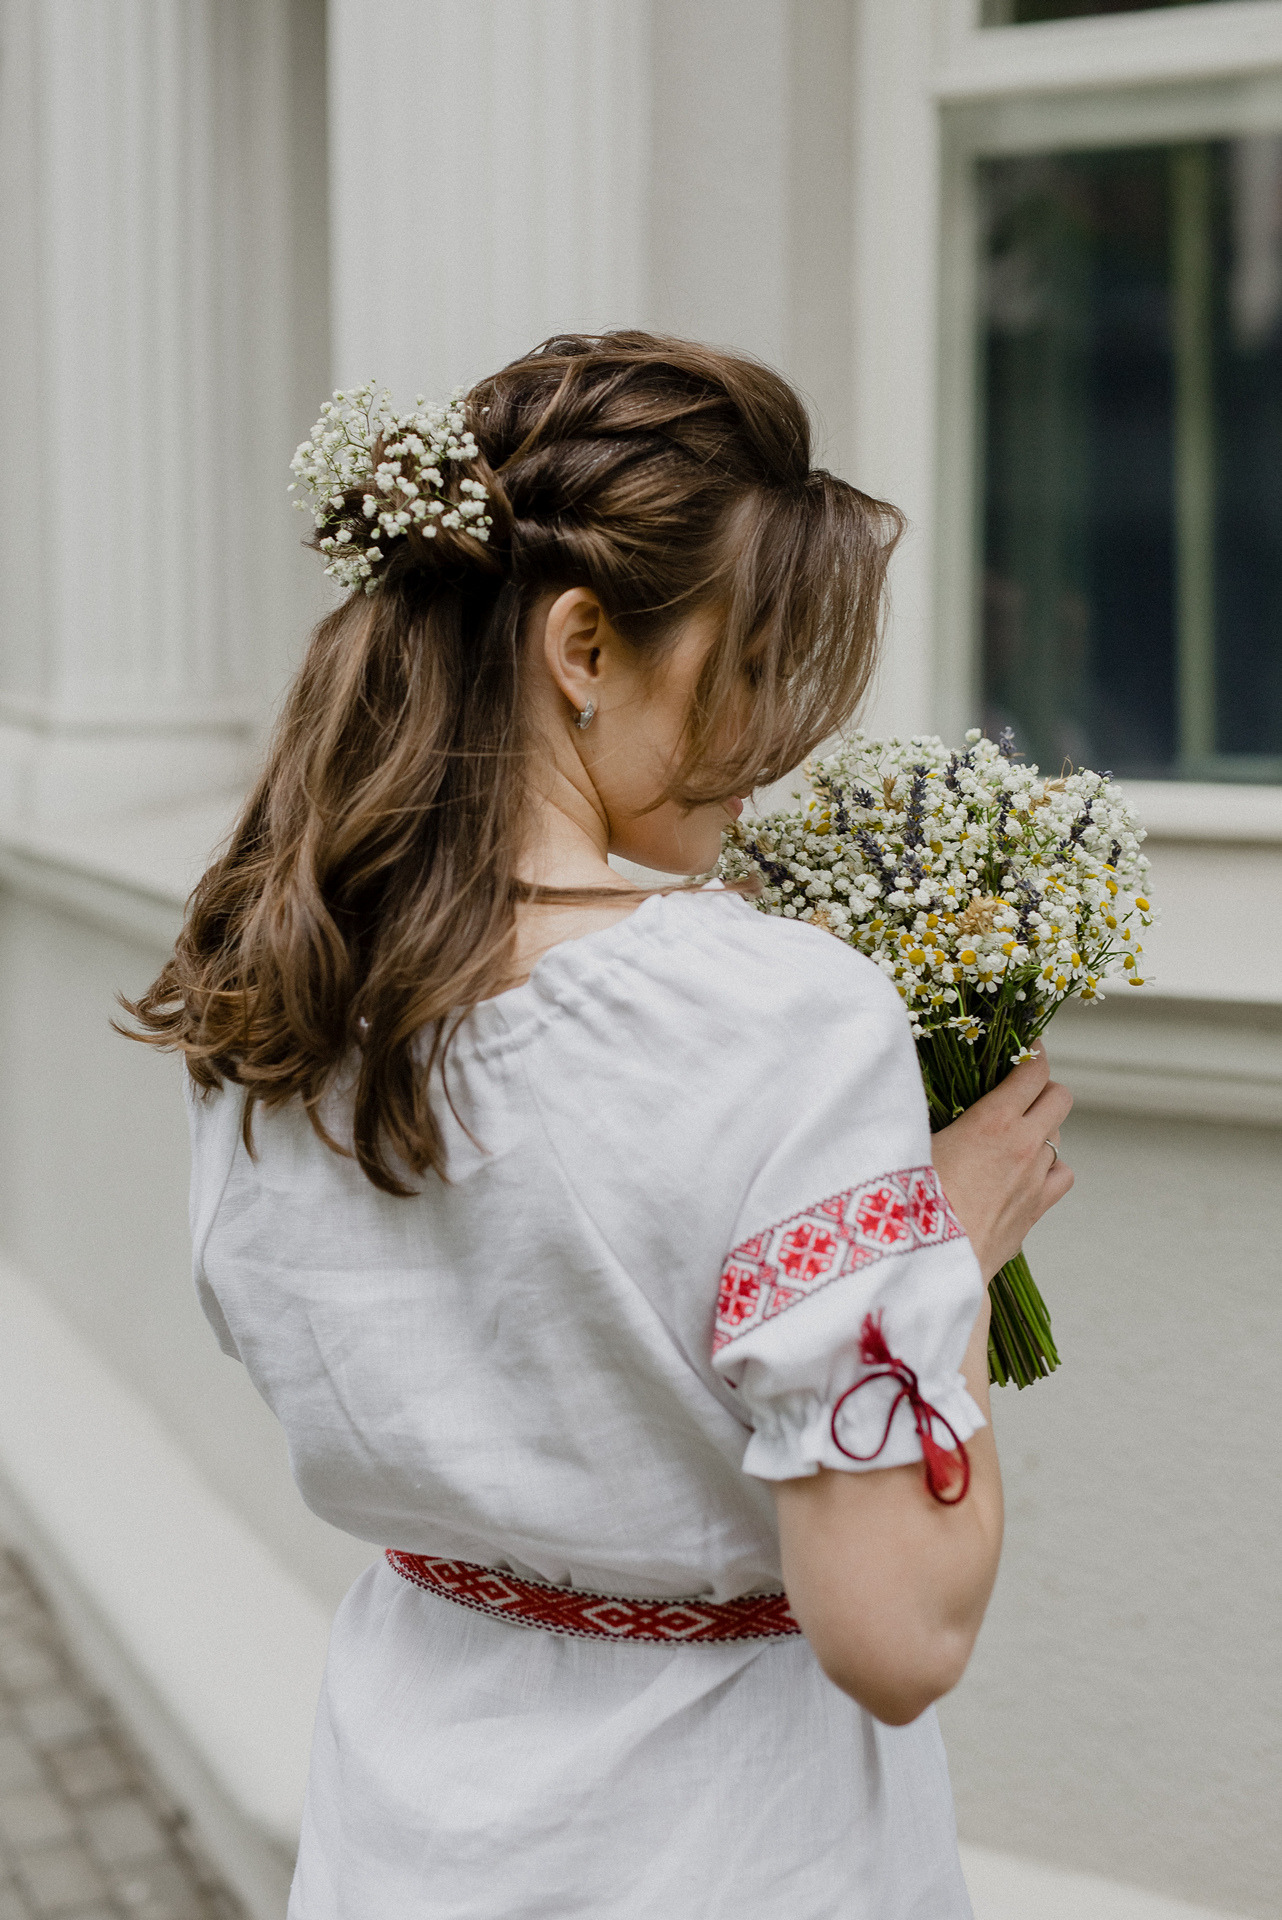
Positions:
(1021, 1347)
(1020, 1344)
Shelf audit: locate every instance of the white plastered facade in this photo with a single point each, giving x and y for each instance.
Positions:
(207, 225)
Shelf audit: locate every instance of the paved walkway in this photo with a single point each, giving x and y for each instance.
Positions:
(86, 1832)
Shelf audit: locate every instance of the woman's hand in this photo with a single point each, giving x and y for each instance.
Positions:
(996, 1167)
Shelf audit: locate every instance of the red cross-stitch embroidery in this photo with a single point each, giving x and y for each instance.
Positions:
(883, 1216)
(807, 1251)
(925, 1199)
(594, 1616)
(769, 1273)
(739, 1289)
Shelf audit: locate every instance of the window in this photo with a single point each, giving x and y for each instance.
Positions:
(1110, 434)
(1131, 350)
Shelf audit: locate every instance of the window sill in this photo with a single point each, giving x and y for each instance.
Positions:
(1199, 811)
(1173, 1056)
(1063, 56)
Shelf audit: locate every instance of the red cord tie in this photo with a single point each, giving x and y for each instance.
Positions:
(941, 1465)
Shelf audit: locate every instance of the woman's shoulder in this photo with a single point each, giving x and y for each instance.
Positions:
(702, 986)
(710, 977)
(733, 949)
(716, 1042)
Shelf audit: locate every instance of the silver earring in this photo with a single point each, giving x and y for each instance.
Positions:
(585, 718)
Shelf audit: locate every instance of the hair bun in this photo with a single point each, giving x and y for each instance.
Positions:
(391, 493)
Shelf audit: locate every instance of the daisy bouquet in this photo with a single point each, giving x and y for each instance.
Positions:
(989, 895)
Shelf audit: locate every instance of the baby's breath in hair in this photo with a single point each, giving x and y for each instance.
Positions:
(369, 474)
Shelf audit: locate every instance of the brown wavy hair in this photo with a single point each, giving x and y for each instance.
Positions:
(367, 897)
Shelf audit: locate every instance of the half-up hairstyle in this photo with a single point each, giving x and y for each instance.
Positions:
(367, 898)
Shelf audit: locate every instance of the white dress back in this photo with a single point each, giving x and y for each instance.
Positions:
(687, 1160)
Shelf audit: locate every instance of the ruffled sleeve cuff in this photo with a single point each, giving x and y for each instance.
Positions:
(843, 1329)
(793, 1434)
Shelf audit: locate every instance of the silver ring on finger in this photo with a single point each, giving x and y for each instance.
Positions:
(1055, 1150)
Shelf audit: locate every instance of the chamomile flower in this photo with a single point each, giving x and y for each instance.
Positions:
(988, 894)
(1023, 891)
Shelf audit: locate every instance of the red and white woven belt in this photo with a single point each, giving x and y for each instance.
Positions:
(595, 1616)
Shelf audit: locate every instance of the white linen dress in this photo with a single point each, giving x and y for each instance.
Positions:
(687, 1158)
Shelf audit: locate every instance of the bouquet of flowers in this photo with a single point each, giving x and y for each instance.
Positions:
(989, 895)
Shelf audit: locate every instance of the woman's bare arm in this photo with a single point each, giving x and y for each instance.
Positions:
(890, 1586)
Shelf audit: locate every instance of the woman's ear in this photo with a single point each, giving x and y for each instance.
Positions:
(576, 636)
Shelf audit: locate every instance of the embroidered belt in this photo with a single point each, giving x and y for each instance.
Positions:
(595, 1616)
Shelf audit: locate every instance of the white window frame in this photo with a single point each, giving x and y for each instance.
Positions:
(935, 91)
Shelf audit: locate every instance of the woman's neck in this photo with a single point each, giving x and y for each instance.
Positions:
(566, 845)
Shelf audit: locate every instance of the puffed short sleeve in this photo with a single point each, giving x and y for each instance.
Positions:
(846, 1252)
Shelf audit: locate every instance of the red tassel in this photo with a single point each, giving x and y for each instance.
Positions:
(942, 1466)
(873, 1350)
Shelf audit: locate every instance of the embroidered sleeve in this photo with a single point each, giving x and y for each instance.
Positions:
(894, 1213)
(848, 1289)
(843, 1327)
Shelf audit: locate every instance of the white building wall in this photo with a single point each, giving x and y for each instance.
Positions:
(751, 186)
(755, 172)
(163, 302)
(511, 206)
(1122, 1710)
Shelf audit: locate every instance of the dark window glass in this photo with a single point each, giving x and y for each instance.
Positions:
(1019, 13)
(1132, 457)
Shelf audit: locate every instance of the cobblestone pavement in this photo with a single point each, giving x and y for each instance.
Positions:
(86, 1831)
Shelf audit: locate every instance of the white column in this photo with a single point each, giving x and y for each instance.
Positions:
(146, 549)
(894, 364)
(720, 173)
(752, 178)
(488, 181)
(682, 164)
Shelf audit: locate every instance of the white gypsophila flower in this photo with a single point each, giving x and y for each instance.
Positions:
(987, 893)
(364, 462)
